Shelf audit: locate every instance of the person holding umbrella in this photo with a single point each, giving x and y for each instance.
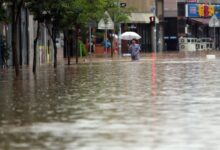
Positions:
(134, 48)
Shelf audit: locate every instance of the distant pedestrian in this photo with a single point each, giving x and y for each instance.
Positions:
(115, 45)
(134, 48)
(106, 44)
(92, 44)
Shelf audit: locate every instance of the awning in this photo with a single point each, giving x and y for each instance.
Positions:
(140, 18)
(204, 21)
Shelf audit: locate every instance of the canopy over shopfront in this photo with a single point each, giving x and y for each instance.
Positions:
(139, 23)
(141, 18)
(204, 21)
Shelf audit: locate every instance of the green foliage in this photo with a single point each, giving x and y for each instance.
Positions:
(3, 15)
(38, 8)
(4, 48)
(67, 14)
(117, 13)
(80, 12)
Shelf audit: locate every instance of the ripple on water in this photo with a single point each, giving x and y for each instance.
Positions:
(166, 104)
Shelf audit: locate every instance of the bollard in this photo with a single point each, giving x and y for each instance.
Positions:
(210, 57)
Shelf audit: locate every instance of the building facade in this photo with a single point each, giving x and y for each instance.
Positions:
(140, 22)
(141, 6)
(170, 25)
(194, 17)
(25, 40)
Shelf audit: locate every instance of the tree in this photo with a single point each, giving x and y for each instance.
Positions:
(58, 15)
(53, 22)
(77, 13)
(39, 10)
(117, 14)
(3, 45)
(3, 15)
(15, 15)
(16, 9)
(71, 16)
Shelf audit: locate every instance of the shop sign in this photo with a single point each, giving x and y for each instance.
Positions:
(192, 1)
(217, 11)
(192, 10)
(201, 1)
(208, 1)
(202, 10)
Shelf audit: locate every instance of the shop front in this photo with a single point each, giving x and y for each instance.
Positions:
(197, 21)
(139, 23)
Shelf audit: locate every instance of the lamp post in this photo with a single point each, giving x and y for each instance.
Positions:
(214, 35)
(45, 32)
(155, 26)
(90, 40)
(153, 33)
(214, 22)
(119, 40)
(119, 33)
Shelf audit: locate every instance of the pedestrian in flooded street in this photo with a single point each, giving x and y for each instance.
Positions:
(134, 48)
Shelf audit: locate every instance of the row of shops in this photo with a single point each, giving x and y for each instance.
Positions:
(196, 19)
(191, 20)
(139, 23)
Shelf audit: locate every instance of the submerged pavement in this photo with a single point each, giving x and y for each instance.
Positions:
(167, 101)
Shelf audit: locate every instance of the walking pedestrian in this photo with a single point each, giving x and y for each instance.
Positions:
(106, 44)
(134, 48)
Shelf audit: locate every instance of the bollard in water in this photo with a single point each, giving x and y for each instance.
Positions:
(210, 57)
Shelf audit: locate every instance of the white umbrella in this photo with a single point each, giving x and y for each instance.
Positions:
(114, 36)
(130, 36)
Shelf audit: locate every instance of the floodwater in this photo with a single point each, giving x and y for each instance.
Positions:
(162, 103)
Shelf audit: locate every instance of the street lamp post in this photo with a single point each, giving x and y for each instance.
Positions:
(155, 26)
(214, 22)
(119, 33)
(90, 40)
(154, 29)
(119, 40)
(214, 37)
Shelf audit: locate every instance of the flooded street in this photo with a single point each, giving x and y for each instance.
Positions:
(166, 103)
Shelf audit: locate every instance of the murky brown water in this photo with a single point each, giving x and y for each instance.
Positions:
(171, 103)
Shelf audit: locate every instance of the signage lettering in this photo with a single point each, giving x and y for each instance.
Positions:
(203, 10)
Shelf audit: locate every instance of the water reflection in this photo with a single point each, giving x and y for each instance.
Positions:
(155, 104)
